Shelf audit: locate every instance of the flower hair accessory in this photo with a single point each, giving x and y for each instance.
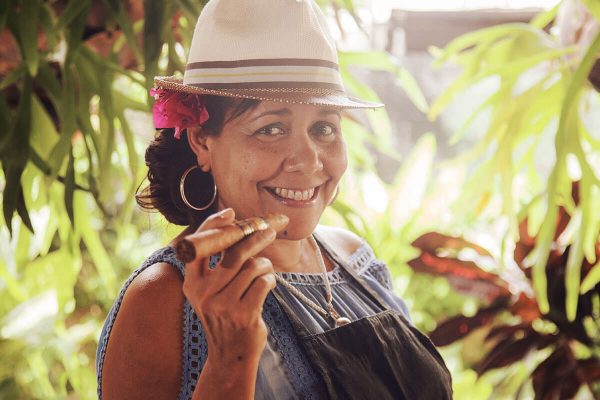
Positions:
(177, 110)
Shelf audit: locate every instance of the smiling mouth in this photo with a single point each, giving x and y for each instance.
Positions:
(294, 194)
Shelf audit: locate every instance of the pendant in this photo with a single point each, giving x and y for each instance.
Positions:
(341, 321)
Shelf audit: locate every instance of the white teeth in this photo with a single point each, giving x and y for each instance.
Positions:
(295, 194)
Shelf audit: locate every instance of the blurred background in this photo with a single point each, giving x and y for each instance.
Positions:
(478, 185)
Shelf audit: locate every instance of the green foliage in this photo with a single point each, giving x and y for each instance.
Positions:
(540, 90)
(74, 123)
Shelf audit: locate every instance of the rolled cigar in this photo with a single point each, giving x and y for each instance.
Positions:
(212, 241)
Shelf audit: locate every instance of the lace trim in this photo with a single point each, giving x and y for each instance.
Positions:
(195, 347)
(360, 261)
(307, 383)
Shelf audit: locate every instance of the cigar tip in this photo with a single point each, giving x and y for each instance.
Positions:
(185, 251)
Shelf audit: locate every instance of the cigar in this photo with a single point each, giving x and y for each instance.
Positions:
(212, 241)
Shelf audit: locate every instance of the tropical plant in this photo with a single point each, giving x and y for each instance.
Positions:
(567, 351)
(537, 93)
(74, 121)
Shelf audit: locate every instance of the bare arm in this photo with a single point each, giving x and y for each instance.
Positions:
(143, 355)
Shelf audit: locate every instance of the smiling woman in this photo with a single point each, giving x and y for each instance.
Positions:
(254, 299)
(270, 158)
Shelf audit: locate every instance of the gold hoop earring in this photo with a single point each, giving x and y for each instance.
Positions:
(182, 191)
(337, 192)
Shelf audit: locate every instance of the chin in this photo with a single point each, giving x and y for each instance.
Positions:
(297, 230)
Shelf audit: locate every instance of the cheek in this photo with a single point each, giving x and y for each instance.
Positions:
(337, 160)
(255, 165)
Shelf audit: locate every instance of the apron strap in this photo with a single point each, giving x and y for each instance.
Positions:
(344, 265)
(298, 325)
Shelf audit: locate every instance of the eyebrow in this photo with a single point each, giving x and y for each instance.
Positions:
(286, 111)
(281, 111)
(330, 111)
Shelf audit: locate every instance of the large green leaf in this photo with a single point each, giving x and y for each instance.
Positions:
(28, 19)
(75, 8)
(154, 24)
(16, 153)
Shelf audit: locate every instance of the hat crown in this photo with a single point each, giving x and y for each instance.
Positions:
(262, 44)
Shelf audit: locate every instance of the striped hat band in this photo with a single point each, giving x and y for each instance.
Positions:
(264, 73)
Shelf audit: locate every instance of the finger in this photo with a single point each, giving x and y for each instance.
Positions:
(216, 220)
(202, 244)
(213, 281)
(255, 296)
(235, 256)
(252, 269)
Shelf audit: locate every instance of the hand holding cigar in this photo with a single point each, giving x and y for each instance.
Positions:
(211, 241)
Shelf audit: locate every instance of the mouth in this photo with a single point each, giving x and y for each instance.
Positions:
(290, 195)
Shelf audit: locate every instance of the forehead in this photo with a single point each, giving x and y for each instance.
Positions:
(266, 108)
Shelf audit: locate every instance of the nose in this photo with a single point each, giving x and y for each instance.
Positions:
(304, 156)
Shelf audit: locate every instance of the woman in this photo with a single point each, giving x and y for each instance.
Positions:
(264, 304)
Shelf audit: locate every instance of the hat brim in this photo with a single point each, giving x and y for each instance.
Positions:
(314, 96)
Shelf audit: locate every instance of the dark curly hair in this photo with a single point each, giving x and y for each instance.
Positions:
(167, 159)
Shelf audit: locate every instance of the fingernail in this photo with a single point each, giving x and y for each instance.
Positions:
(270, 234)
(278, 221)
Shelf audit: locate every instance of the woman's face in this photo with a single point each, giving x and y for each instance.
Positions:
(278, 158)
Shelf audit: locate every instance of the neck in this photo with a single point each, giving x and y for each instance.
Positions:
(294, 256)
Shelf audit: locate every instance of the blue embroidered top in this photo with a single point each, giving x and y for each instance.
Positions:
(284, 371)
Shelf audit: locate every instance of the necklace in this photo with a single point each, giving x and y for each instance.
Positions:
(330, 312)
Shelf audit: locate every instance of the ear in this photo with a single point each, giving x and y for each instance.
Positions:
(197, 141)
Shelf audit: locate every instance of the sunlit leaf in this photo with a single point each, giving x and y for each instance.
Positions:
(591, 280)
(594, 7)
(379, 61)
(544, 18)
(93, 244)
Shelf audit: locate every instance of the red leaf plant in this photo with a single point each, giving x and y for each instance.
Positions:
(562, 373)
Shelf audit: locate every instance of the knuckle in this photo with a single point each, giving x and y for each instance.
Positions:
(260, 265)
(265, 280)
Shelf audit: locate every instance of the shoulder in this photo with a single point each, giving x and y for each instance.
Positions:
(143, 354)
(344, 242)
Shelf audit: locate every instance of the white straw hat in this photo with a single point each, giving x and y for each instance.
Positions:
(275, 50)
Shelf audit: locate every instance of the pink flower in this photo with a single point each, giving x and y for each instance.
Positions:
(178, 110)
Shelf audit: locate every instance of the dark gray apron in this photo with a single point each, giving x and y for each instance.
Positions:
(377, 357)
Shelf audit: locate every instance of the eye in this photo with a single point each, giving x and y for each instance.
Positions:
(325, 129)
(271, 130)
